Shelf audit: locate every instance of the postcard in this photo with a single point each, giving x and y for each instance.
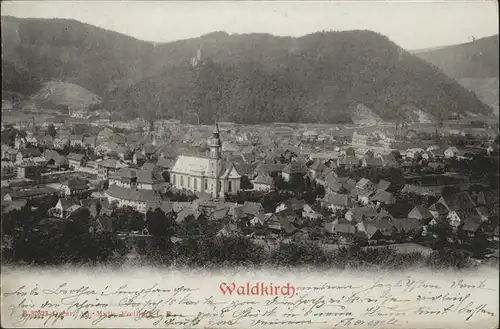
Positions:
(250, 164)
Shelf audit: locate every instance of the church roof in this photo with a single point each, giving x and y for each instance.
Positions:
(193, 165)
(186, 164)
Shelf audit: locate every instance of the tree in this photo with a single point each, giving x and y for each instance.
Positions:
(441, 232)
(245, 183)
(166, 176)
(127, 219)
(397, 155)
(51, 130)
(298, 253)
(160, 224)
(479, 245)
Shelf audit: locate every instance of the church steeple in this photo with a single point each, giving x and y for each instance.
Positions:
(215, 143)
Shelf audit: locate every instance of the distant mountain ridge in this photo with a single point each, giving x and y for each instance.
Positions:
(474, 65)
(248, 78)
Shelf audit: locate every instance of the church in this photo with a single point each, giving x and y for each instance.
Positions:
(210, 174)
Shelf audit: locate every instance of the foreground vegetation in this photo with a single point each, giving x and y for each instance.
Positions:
(198, 244)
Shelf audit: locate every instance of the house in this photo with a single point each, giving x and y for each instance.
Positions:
(372, 162)
(383, 185)
(27, 153)
(414, 153)
(358, 214)
(90, 142)
(76, 160)
(269, 168)
(336, 201)
(210, 174)
(438, 210)
(421, 213)
(184, 213)
(8, 206)
(31, 169)
(332, 184)
(47, 141)
(458, 217)
(495, 234)
(451, 152)
(376, 230)
(263, 182)
(132, 197)
(165, 163)
(55, 160)
(350, 151)
(63, 208)
(362, 196)
(273, 224)
(341, 228)
(348, 161)
(9, 153)
(408, 226)
(121, 151)
(436, 166)
(316, 168)
(388, 160)
(259, 219)
(287, 221)
(383, 197)
(139, 158)
(435, 153)
(310, 213)
(492, 150)
(295, 168)
(365, 185)
(150, 180)
(228, 229)
(459, 201)
(75, 187)
(107, 167)
(9, 170)
(324, 157)
(76, 140)
(219, 214)
(150, 151)
(124, 177)
(30, 193)
(60, 141)
(252, 208)
(347, 183)
(471, 227)
(297, 206)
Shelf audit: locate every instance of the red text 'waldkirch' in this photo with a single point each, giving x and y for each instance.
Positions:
(256, 289)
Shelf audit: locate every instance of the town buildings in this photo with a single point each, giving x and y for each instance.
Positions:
(107, 167)
(210, 174)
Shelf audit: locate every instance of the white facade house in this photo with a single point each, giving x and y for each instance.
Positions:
(450, 152)
(263, 183)
(210, 174)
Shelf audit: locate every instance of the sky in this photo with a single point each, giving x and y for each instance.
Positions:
(412, 24)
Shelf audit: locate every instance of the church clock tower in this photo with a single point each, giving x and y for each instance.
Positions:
(215, 145)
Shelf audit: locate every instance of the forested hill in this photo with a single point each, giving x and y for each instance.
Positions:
(474, 65)
(475, 59)
(315, 78)
(244, 78)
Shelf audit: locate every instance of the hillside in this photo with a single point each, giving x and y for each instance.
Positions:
(17, 82)
(474, 65)
(73, 52)
(55, 94)
(315, 78)
(244, 78)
